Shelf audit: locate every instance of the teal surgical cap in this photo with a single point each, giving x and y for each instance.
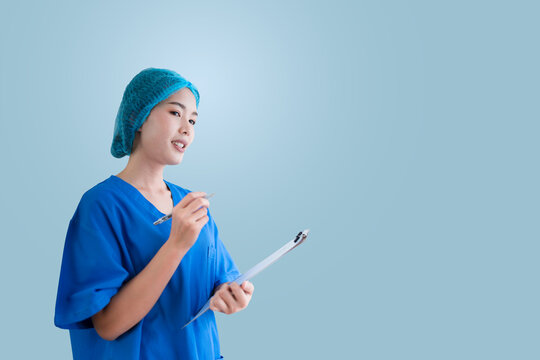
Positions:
(145, 90)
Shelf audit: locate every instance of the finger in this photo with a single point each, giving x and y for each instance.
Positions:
(186, 200)
(219, 304)
(204, 220)
(229, 300)
(239, 295)
(196, 204)
(248, 287)
(199, 214)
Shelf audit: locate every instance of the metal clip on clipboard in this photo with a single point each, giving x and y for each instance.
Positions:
(260, 267)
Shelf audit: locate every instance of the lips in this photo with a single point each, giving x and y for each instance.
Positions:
(185, 142)
(179, 148)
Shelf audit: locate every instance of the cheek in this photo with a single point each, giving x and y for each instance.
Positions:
(165, 130)
(152, 137)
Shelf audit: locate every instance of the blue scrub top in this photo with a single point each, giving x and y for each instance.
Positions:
(110, 239)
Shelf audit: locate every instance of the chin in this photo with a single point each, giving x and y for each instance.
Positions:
(177, 160)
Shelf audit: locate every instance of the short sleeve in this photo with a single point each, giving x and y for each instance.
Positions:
(226, 269)
(91, 271)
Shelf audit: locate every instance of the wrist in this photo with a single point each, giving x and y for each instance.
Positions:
(177, 247)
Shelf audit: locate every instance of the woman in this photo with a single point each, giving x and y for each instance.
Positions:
(127, 286)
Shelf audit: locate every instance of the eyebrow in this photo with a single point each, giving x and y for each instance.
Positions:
(183, 107)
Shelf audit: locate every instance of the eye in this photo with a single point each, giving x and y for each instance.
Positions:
(176, 112)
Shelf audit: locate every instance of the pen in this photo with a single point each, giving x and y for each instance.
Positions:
(167, 217)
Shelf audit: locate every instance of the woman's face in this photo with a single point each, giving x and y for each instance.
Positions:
(172, 119)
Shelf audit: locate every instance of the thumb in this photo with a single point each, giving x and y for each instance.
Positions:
(248, 287)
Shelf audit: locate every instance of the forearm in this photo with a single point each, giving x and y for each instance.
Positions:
(137, 297)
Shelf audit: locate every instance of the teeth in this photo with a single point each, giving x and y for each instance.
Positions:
(179, 144)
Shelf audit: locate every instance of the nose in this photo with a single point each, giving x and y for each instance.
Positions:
(185, 128)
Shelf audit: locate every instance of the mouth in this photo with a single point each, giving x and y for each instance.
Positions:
(181, 147)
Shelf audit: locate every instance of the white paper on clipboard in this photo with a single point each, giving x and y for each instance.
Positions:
(260, 267)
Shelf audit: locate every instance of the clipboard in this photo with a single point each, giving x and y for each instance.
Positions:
(302, 235)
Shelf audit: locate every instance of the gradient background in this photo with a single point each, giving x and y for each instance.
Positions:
(404, 134)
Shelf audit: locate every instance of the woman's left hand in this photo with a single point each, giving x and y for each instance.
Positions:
(231, 297)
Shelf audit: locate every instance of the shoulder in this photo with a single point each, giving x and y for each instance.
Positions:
(102, 193)
(98, 202)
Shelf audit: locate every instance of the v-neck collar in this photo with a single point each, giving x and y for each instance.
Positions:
(137, 195)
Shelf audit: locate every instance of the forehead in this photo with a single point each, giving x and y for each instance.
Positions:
(183, 96)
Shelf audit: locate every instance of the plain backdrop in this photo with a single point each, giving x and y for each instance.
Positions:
(404, 134)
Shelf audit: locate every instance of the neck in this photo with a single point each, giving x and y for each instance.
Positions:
(144, 174)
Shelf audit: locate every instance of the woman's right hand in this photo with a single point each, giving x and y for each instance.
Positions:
(188, 218)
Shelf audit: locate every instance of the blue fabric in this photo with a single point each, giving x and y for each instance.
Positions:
(147, 89)
(110, 239)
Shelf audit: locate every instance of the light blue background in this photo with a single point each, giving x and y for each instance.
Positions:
(404, 134)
